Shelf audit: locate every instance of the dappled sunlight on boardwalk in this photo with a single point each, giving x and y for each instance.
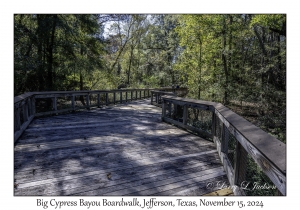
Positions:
(115, 150)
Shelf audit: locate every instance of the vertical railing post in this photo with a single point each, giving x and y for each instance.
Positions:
(121, 95)
(175, 109)
(224, 140)
(185, 114)
(170, 109)
(33, 105)
(106, 98)
(213, 126)
(87, 101)
(73, 102)
(126, 95)
(114, 97)
(98, 100)
(17, 118)
(151, 97)
(54, 103)
(163, 106)
(29, 104)
(240, 164)
(156, 98)
(25, 110)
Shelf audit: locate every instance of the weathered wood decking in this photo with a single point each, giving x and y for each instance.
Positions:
(115, 150)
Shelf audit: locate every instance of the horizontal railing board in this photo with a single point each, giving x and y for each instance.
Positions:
(22, 97)
(160, 91)
(188, 100)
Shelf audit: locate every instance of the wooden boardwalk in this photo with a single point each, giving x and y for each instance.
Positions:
(115, 150)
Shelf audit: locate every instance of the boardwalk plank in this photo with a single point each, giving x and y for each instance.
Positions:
(120, 179)
(116, 150)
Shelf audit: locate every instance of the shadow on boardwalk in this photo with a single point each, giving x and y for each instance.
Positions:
(114, 150)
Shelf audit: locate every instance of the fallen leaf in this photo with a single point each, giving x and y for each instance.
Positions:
(109, 175)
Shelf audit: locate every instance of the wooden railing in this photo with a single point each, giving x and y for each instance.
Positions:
(24, 112)
(156, 96)
(251, 157)
(182, 91)
(34, 104)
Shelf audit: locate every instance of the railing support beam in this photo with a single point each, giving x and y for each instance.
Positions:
(240, 165)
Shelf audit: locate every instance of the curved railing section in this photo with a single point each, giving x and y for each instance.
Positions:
(255, 162)
(34, 104)
(157, 94)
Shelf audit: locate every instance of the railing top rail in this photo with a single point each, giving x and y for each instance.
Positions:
(171, 88)
(28, 94)
(273, 149)
(188, 100)
(22, 97)
(160, 91)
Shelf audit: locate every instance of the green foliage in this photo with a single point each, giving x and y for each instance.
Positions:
(269, 20)
(50, 49)
(235, 59)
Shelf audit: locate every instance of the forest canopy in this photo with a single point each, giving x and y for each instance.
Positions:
(236, 59)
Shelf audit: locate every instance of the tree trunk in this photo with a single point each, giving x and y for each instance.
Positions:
(50, 55)
(81, 81)
(230, 46)
(40, 68)
(81, 87)
(200, 66)
(261, 44)
(225, 100)
(129, 67)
